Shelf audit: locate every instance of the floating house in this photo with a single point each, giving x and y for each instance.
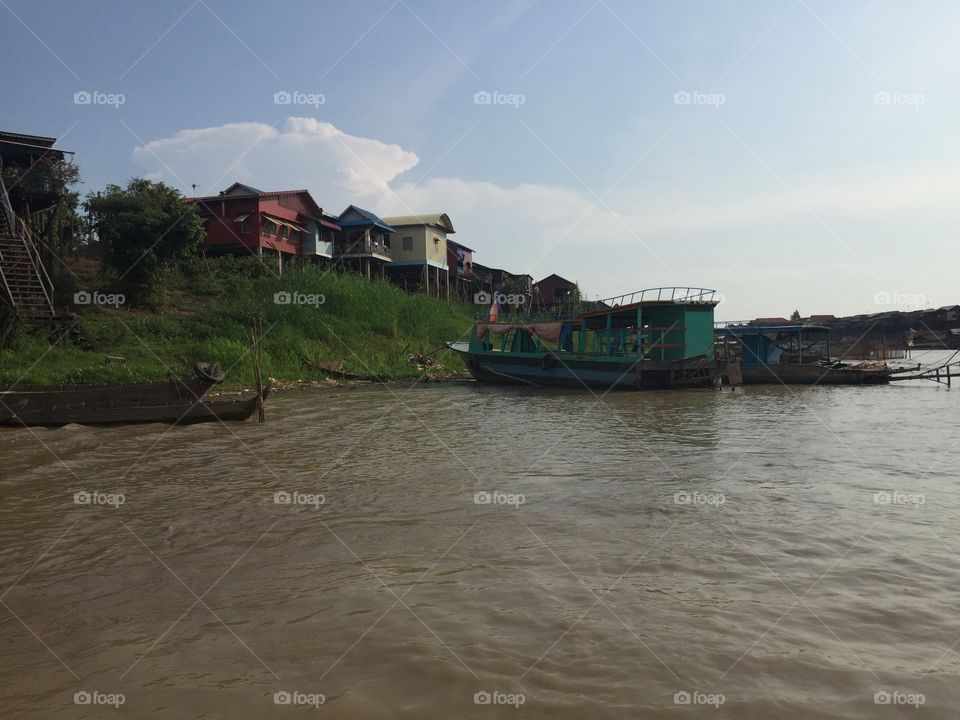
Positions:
(792, 354)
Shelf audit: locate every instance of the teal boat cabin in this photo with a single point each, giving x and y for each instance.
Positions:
(653, 338)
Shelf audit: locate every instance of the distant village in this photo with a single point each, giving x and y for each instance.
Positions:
(283, 228)
(287, 228)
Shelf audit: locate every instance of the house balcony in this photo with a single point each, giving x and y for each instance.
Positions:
(319, 248)
(364, 248)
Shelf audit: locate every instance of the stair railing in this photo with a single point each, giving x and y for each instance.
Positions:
(38, 267)
(7, 207)
(11, 220)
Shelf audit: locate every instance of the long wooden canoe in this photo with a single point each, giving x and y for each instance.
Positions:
(174, 402)
(29, 413)
(206, 375)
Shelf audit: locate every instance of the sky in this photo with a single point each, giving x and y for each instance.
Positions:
(791, 154)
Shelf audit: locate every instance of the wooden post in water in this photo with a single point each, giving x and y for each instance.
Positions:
(256, 338)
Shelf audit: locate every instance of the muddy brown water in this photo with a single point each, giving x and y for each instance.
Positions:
(483, 552)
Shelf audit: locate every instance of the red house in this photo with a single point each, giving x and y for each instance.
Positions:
(553, 291)
(286, 224)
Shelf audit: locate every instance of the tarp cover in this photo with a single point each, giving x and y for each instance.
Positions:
(545, 331)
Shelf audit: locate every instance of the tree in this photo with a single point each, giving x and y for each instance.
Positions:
(796, 315)
(143, 229)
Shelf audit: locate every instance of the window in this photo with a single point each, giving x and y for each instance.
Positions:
(245, 226)
(267, 226)
(408, 243)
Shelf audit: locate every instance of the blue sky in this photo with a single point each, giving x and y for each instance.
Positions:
(813, 167)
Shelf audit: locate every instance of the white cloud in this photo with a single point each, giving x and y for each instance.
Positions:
(334, 166)
(750, 240)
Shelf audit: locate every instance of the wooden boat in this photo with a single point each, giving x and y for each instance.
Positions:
(206, 375)
(793, 355)
(658, 338)
(181, 404)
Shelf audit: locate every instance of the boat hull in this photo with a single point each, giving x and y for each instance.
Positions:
(573, 370)
(41, 412)
(813, 375)
(153, 393)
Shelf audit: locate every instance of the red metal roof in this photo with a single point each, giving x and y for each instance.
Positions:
(319, 215)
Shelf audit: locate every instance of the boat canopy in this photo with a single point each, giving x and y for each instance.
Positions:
(548, 331)
(722, 328)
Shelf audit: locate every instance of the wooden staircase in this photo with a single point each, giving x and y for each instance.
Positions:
(26, 290)
(25, 285)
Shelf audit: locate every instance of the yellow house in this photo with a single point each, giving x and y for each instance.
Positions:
(419, 252)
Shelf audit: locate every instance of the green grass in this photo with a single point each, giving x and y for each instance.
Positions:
(372, 326)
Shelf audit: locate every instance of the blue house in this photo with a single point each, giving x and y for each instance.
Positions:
(364, 242)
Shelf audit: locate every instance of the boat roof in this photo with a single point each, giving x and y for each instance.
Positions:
(745, 329)
(694, 297)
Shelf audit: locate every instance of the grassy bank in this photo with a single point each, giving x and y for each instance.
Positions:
(371, 326)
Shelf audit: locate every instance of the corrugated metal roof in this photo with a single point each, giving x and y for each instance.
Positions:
(369, 219)
(455, 244)
(29, 139)
(441, 220)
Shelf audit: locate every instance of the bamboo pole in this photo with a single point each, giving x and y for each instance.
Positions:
(256, 338)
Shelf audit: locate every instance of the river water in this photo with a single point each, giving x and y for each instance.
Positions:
(460, 551)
